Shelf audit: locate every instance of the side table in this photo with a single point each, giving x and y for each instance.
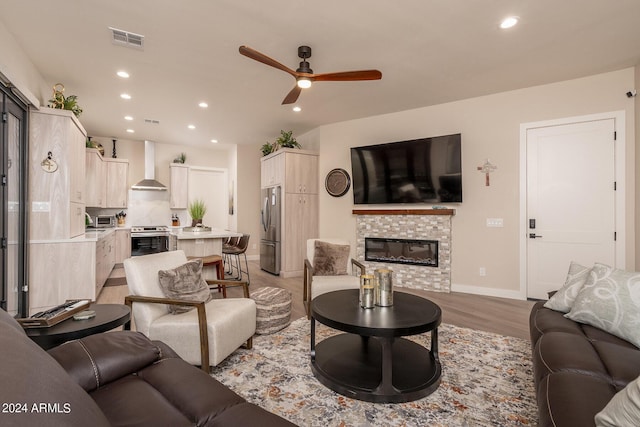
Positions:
(108, 316)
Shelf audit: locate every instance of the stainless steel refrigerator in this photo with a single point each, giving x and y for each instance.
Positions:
(270, 230)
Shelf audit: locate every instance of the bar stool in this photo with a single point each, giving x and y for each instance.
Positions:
(232, 252)
(213, 261)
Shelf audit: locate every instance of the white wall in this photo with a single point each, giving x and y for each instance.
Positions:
(490, 128)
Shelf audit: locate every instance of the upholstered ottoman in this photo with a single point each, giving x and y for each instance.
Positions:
(273, 309)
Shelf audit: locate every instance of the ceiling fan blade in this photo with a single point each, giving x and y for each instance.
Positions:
(292, 96)
(260, 57)
(348, 76)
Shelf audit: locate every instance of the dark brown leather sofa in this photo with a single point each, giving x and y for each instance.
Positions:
(577, 368)
(112, 379)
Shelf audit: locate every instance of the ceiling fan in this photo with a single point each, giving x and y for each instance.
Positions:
(304, 74)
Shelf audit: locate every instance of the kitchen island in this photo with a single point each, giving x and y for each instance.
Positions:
(203, 243)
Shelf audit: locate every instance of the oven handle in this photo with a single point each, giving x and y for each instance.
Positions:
(159, 234)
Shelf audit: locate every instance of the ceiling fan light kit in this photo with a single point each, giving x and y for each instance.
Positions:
(304, 74)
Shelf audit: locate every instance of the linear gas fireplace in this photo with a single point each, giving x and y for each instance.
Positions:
(401, 251)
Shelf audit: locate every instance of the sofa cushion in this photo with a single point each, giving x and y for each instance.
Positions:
(330, 259)
(610, 300)
(571, 399)
(563, 299)
(561, 351)
(623, 409)
(90, 360)
(184, 282)
(542, 320)
(621, 363)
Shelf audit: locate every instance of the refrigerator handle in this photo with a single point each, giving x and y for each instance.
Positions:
(264, 210)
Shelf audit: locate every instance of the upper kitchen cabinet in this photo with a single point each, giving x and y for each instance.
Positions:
(179, 197)
(56, 174)
(107, 180)
(96, 178)
(117, 186)
(272, 170)
(301, 170)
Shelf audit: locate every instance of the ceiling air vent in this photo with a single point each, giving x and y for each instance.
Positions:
(152, 121)
(125, 38)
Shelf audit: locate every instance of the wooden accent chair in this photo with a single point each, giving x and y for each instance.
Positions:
(204, 336)
(315, 285)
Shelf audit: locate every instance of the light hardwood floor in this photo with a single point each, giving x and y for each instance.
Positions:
(499, 315)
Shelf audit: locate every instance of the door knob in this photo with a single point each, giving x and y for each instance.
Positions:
(533, 236)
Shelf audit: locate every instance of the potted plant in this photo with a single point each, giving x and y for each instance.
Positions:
(64, 102)
(286, 140)
(197, 209)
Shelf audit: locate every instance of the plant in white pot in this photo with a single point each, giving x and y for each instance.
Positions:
(197, 209)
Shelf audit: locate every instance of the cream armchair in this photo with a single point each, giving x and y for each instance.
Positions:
(204, 336)
(315, 285)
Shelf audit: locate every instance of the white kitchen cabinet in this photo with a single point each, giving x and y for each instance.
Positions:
(123, 245)
(117, 187)
(296, 171)
(95, 181)
(179, 197)
(105, 260)
(56, 174)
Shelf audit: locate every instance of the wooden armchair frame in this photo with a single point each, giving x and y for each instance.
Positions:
(308, 281)
(202, 313)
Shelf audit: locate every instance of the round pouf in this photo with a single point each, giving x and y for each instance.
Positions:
(273, 309)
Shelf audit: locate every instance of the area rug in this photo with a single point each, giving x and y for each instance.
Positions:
(487, 380)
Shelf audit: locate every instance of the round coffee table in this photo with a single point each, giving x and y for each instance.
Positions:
(371, 361)
(108, 316)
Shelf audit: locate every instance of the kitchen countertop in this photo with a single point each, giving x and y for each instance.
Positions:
(215, 233)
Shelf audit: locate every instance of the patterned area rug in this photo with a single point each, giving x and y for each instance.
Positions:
(487, 380)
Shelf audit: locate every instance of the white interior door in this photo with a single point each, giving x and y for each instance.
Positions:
(211, 186)
(571, 198)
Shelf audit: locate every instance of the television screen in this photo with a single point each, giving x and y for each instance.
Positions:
(426, 170)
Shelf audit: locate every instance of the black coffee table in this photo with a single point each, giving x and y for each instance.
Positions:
(108, 316)
(371, 361)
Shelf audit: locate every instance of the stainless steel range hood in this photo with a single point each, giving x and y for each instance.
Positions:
(149, 182)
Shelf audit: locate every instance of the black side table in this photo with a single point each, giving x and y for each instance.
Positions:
(108, 316)
(371, 361)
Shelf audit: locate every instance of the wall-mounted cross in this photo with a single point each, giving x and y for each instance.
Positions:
(486, 169)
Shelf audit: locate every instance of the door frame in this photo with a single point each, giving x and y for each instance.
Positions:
(620, 194)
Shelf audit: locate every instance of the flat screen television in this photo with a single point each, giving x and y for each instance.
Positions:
(426, 170)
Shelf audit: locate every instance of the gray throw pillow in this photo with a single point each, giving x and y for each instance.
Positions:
(563, 299)
(184, 282)
(330, 259)
(610, 300)
(623, 409)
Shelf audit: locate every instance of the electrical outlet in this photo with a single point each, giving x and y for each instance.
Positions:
(495, 222)
(254, 246)
(40, 207)
(483, 271)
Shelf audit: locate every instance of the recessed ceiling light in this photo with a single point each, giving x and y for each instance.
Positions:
(123, 74)
(129, 118)
(509, 22)
(203, 105)
(297, 109)
(130, 130)
(192, 127)
(214, 141)
(125, 96)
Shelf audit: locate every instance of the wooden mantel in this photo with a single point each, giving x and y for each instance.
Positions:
(449, 212)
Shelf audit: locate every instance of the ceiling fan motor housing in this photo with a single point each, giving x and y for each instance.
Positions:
(304, 52)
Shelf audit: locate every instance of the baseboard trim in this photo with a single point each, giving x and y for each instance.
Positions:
(488, 292)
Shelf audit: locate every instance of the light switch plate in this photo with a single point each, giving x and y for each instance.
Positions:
(40, 207)
(495, 222)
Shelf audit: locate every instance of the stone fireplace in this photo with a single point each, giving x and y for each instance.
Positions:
(415, 244)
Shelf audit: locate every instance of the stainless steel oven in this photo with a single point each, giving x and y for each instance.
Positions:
(147, 240)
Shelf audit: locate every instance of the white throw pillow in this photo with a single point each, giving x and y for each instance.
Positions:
(610, 300)
(563, 299)
(623, 410)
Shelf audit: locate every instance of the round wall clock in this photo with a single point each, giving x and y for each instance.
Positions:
(337, 182)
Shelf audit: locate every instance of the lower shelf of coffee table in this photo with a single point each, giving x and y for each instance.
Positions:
(352, 366)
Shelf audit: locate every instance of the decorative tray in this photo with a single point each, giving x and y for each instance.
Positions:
(55, 315)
